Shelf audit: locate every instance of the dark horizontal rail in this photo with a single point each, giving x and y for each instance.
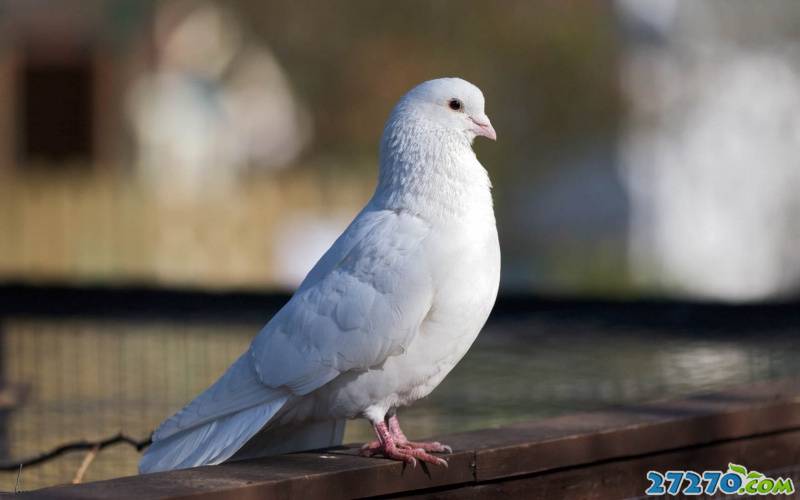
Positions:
(600, 455)
(148, 301)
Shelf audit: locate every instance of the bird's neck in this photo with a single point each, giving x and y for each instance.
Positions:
(431, 172)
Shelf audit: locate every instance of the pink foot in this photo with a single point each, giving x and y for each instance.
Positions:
(402, 441)
(395, 446)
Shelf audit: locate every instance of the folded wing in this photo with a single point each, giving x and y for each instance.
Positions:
(362, 302)
(367, 306)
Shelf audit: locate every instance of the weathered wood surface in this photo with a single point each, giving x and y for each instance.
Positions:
(593, 455)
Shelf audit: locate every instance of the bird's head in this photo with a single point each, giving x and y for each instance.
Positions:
(450, 105)
(426, 149)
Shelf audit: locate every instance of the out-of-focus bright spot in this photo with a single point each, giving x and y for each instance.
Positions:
(715, 363)
(215, 104)
(710, 157)
(300, 243)
(177, 120)
(270, 127)
(201, 39)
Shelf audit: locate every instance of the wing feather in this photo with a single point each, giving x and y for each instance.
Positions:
(356, 312)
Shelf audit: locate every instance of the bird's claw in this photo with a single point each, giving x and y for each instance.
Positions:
(419, 454)
(435, 446)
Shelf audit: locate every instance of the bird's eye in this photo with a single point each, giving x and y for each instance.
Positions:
(456, 105)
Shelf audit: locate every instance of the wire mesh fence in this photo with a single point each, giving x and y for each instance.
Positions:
(91, 377)
(88, 379)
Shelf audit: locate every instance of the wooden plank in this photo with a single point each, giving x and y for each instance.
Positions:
(632, 430)
(626, 478)
(549, 446)
(298, 475)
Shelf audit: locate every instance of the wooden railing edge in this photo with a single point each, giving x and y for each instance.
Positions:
(524, 449)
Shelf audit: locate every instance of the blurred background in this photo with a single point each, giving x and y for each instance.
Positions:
(646, 181)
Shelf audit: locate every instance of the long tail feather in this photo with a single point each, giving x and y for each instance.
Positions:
(210, 443)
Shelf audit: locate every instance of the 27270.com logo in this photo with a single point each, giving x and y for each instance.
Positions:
(737, 480)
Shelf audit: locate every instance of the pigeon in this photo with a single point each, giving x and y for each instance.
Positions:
(380, 320)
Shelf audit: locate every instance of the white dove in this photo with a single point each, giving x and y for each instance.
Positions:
(383, 316)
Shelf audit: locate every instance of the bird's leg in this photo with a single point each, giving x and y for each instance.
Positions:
(373, 447)
(387, 447)
(401, 441)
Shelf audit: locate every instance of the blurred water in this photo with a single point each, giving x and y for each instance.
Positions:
(90, 378)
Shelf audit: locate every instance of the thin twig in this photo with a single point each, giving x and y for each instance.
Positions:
(19, 475)
(87, 461)
(75, 446)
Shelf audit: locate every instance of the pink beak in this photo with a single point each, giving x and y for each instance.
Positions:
(484, 127)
